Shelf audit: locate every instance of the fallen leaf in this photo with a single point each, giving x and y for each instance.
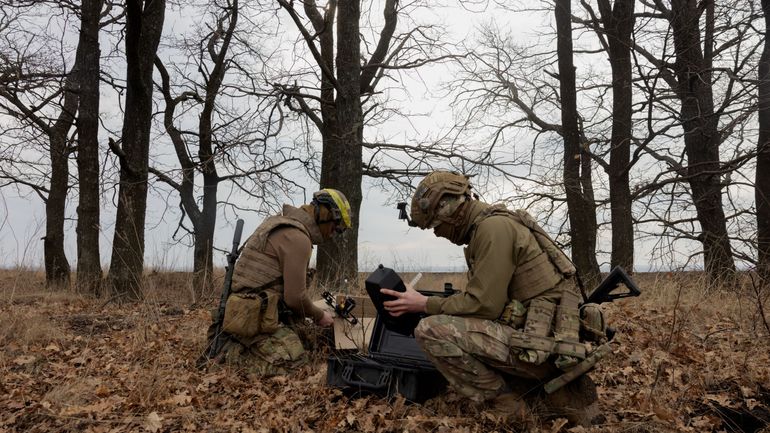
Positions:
(179, 399)
(558, 424)
(24, 360)
(153, 422)
(102, 391)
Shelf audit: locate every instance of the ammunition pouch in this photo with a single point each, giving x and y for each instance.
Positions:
(551, 329)
(250, 314)
(537, 329)
(548, 345)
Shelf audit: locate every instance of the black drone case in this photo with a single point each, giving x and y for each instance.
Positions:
(395, 364)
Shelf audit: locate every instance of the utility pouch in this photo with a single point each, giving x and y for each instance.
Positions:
(567, 326)
(538, 324)
(592, 324)
(250, 314)
(513, 314)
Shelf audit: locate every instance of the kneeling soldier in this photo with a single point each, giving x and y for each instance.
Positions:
(518, 317)
(271, 274)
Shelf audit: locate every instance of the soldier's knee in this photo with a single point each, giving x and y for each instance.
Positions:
(424, 329)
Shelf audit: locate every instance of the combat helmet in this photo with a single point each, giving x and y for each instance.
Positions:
(427, 199)
(337, 203)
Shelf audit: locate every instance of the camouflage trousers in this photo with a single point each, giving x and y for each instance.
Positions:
(267, 354)
(474, 354)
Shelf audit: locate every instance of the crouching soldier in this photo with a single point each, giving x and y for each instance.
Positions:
(271, 274)
(517, 324)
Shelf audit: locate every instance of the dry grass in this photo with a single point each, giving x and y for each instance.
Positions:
(687, 358)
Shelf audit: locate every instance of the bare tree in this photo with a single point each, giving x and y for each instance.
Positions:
(144, 25)
(618, 24)
(577, 163)
(347, 99)
(89, 269)
(708, 77)
(693, 74)
(238, 124)
(40, 95)
(762, 188)
(203, 217)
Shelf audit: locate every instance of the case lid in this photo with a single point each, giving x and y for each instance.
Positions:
(387, 278)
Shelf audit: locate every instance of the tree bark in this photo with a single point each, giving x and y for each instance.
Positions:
(341, 166)
(144, 24)
(577, 164)
(618, 25)
(89, 269)
(327, 260)
(762, 182)
(57, 268)
(204, 228)
(699, 122)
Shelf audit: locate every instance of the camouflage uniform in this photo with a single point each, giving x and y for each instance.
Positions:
(267, 354)
(464, 335)
(472, 353)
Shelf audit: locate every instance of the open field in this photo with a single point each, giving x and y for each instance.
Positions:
(687, 359)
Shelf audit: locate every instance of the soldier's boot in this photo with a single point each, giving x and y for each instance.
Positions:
(576, 401)
(511, 409)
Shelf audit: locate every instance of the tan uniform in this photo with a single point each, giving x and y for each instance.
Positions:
(276, 257)
(498, 248)
(461, 336)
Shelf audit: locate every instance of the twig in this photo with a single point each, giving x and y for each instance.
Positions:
(760, 304)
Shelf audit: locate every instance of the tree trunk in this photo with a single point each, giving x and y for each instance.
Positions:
(762, 186)
(57, 268)
(577, 165)
(203, 260)
(89, 269)
(203, 263)
(341, 167)
(618, 26)
(701, 138)
(144, 24)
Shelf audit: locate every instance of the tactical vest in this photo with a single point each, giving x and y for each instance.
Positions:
(549, 328)
(255, 270)
(541, 273)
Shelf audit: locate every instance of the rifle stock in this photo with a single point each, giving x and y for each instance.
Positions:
(603, 292)
(215, 346)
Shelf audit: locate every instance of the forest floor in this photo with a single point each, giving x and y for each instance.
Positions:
(687, 359)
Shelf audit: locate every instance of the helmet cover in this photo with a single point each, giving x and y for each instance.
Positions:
(337, 203)
(427, 199)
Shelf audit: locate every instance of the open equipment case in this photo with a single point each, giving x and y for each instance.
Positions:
(395, 364)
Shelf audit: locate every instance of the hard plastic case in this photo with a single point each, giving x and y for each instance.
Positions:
(395, 363)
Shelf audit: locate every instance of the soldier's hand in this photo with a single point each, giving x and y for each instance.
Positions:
(410, 301)
(326, 321)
